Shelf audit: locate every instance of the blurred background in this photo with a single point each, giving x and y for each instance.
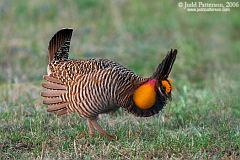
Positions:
(135, 33)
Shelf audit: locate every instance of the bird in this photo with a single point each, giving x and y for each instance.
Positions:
(95, 86)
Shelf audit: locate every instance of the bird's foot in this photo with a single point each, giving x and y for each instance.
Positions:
(102, 132)
(111, 137)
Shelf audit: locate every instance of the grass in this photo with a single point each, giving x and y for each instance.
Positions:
(202, 121)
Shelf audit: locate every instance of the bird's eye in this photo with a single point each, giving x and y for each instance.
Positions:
(163, 88)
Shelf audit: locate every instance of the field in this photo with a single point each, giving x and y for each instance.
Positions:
(201, 122)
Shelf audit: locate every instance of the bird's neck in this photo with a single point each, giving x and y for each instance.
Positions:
(145, 95)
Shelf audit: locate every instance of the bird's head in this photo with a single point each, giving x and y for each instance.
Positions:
(146, 95)
(150, 96)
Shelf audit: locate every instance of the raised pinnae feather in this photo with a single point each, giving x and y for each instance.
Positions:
(59, 45)
(165, 67)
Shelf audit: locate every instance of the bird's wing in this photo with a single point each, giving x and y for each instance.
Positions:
(62, 97)
(70, 96)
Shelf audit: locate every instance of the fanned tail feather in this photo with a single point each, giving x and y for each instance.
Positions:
(52, 95)
(59, 45)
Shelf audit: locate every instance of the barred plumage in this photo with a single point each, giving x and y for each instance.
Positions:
(94, 86)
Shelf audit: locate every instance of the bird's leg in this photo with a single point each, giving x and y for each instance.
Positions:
(100, 130)
(90, 127)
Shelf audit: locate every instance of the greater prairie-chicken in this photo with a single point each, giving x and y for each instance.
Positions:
(94, 86)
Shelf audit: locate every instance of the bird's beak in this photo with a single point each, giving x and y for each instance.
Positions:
(169, 96)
